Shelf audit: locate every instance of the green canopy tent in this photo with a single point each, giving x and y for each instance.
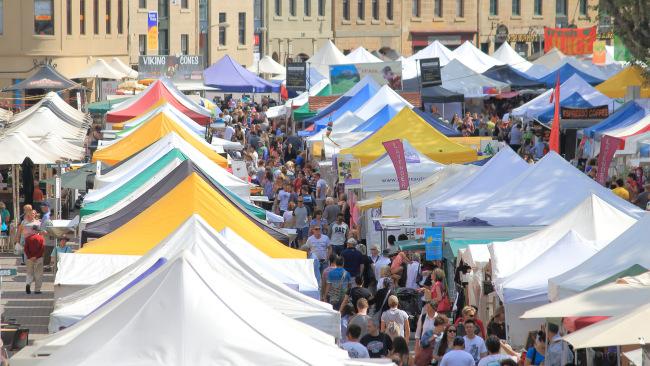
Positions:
(101, 108)
(301, 113)
(76, 179)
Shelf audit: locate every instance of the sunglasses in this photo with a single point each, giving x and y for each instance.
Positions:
(451, 330)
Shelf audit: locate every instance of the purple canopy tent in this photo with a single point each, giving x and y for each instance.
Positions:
(229, 76)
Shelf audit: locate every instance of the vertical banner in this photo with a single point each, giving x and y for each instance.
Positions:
(608, 146)
(621, 53)
(349, 171)
(570, 41)
(430, 72)
(152, 31)
(296, 78)
(395, 150)
(600, 54)
(433, 243)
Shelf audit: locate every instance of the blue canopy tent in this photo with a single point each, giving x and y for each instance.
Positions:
(436, 123)
(627, 114)
(515, 78)
(378, 120)
(229, 76)
(566, 71)
(574, 100)
(331, 112)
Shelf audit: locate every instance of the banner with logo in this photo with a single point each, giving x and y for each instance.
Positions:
(349, 170)
(296, 76)
(598, 112)
(600, 53)
(395, 150)
(344, 77)
(433, 243)
(152, 31)
(176, 68)
(430, 72)
(608, 146)
(570, 41)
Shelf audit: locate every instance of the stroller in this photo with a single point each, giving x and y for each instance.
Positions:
(409, 301)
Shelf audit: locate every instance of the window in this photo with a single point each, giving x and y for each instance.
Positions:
(460, 8)
(485, 47)
(494, 7)
(185, 44)
(142, 4)
(389, 9)
(163, 42)
(537, 7)
(437, 8)
(2, 16)
(108, 16)
(560, 7)
(346, 9)
(142, 44)
(583, 7)
(361, 9)
(516, 7)
(185, 4)
(415, 8)
(321, 8)
(82, 16)
(96, 16)
(44, 17)
(68, 17)
(375, 9)
(222, 29)
(278, 7)
(242, 28)
(307, 6)
(292, 8)
(120, 16)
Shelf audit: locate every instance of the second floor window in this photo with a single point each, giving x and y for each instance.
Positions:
(142, 44)
(185, 44)
(242, 28)
(583, 7)
(560, 7)
(321, 8)
(437, 8)
(516, 7)
(307, 6)
(292, 8)
(68, 17)
(460, 8)
(389, 9)
(108, 16)
(375, 9)
(346, 9)
(537, 7)
(44, 17)
(278, 7)
(82, 16)
(415, 8)
(96, 17)
(494, 7)
(361, 9)
(222, 29)
(120, 16)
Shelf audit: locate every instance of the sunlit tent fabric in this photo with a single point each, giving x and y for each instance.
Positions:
(327, 55)
(161, 89)
(550, 59)
(630, 248)
(266, 65)
(103, 107)
(626, 115)
(149, 197)
(566, 71)
(229, 76)
(192, 195)
(506, 54)
(407, 125)
(597, 301)
(515, 78)
(354, 103)
(633, 144)
(99, 69)
(186, 293)
(149, 132)
(131, 125)
(560, 187)
(62, 148)
(461, 79)
(59, 107)
(76, 178)
(380, 175)
(474, 58)
(379, 119)
(505, 166)
(339, 102)
(627, 329)
(45, 77)
(384, 96)
(120, 66)
(5, 115)
(436, 123)
(16, 147)
(360, 55)
(574, 100)
(410, 65)
(617, 85)
(254, 271)
(42, 122)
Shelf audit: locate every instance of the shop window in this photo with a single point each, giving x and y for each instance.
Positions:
(44, 17)
(494, 7)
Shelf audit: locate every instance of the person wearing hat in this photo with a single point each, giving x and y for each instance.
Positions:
(352, 258)
(457, 356)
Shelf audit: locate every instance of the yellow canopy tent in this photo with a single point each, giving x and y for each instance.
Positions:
(616, 86)
(192, 196)
(149, 132)
(421, 135)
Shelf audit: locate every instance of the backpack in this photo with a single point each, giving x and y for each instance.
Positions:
(393, 329)
(337, 291)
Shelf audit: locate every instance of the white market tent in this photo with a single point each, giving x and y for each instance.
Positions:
(509, 56)
(58, 106)
(555, 59)
(598, 301)
(245, 265)
(361, 56)
(461, 79)
(198, 317)
(100, 69)
(551, 59)
(5, 115)
(632, 143)
(120, 66)
(267, 65)
(474, 58)
(16, 147)
(502, 168)
(435, 49)
(380, 176)
(136, 164)
(61, 148)
(44, 121)
(169, 111)
(543, 194)
(327, 55)
(627, 250)
(286, 108)
(575, 84)
(384, 96)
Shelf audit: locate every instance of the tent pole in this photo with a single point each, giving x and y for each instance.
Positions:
(16, 193)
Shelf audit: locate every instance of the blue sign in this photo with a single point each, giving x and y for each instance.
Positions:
(433, 243)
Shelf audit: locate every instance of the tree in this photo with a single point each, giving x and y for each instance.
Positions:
(631, 24)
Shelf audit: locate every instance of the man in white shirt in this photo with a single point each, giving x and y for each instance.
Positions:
(457, 356)
(229, 132)
(558, 352)
(354, 348)
(379, 261)
(474, 344)
(339, 233)
(318, 244)
(493, 345)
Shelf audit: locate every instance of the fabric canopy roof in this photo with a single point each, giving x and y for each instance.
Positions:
(384, 96)
(267, 65)
(379, 119)
(76, 179)
(120, 66)
(461, 79)
(437, 123)
(566, 71)
(630, 248)
(435, 49)
(407, 125)
(626, 115)
(598, 300)
(104, 106)
(131, 125)
(160, 90)
(325, 112)
(574, 100)
(438, 94)
(509, 56)
(229, 76)
(616, 86)
(59, 107)
(192, 195)
(47, 78)
(515, 78)
(187, 293)
(474, 58)
(44, 121)
(99, 69)
(560, 187)
(16, 147)
(353, 102)
(61, 148)
(327, 55)
(360, 55)
(149, 132)
(381, 176)
(251, 269)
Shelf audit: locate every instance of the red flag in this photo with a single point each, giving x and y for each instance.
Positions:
(554, 140)
(395, 150)
(284, 93)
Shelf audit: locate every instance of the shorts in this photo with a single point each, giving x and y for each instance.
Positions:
(302, 233)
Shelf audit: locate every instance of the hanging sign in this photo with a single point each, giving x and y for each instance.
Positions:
(152, 31)
(570, 41)
(430, 72)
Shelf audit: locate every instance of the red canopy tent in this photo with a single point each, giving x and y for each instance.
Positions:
(160, 90)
